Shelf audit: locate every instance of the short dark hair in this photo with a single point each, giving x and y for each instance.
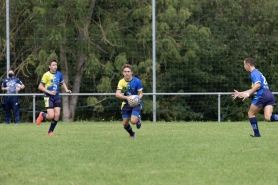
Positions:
(52, 60)
(126, 66)
(250, 61)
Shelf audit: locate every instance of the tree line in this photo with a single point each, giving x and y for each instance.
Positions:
(200, 47)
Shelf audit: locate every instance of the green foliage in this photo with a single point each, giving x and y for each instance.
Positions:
(105, 85)
(91, 100)
(200, 47)
(120, 60)
(92, 65)
(94, 102)
(42, 58)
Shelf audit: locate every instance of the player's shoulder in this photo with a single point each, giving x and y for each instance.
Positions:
(17, 79)
(122, 83)
(5, 80)
(255, 72)
(47, 73)
(58, 73)
(135, 78)
(137, 81)
(47, 76)
(122, 80)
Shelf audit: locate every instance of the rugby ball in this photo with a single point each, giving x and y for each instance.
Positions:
(135, 100)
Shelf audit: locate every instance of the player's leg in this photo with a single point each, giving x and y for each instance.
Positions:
(139, 123)
(127, 127)
(55, 118)
(15, 107)
(254, 109)
(268, 116)
(126, 111)
(135, 117)
(8, 108)
(49, 115)
(268, 109)
(48, 101)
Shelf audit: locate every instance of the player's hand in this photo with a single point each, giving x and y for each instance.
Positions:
(243, 95)
(129, 100)
(235, 94)
(52, 92)
(68, 91)
(17, 87)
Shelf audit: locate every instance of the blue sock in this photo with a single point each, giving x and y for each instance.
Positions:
(254, 124)
(274, 117)
(52, 125)
(129, 130)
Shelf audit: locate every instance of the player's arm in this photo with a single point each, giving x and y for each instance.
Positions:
(253, 90)
(140, 94)
(4, 87)
(43, 89)
(247, 93)
(119, 95)
(20, 86)
(63, 84)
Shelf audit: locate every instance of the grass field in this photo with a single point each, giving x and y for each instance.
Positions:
(162, 153)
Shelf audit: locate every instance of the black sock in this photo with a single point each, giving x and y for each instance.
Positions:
(129, 130)
(52, 125)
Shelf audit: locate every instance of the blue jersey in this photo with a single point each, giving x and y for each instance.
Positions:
(130, 87)
(52, 81)
(12, 83)
(257, 77)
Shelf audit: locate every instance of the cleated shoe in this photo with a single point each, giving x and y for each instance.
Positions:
(50, 133)
(39, 119)
(254, 135)
(139, 123)
(130, 136)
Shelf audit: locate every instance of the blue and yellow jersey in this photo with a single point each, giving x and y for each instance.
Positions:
(257, 77)
(52, 81)
(130, 88)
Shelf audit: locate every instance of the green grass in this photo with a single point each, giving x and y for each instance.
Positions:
(162, 153)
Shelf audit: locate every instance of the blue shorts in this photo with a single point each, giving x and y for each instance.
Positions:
(127, 111)
(52, 101)
(267, 98)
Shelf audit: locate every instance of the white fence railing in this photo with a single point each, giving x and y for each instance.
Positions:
(34, 95)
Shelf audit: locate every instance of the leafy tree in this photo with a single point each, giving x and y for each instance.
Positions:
(200, 48)
(240, 29)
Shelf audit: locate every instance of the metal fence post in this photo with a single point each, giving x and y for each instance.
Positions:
(219, 107)
(34, 108)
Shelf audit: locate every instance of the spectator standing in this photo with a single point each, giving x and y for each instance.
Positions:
(11, 85)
